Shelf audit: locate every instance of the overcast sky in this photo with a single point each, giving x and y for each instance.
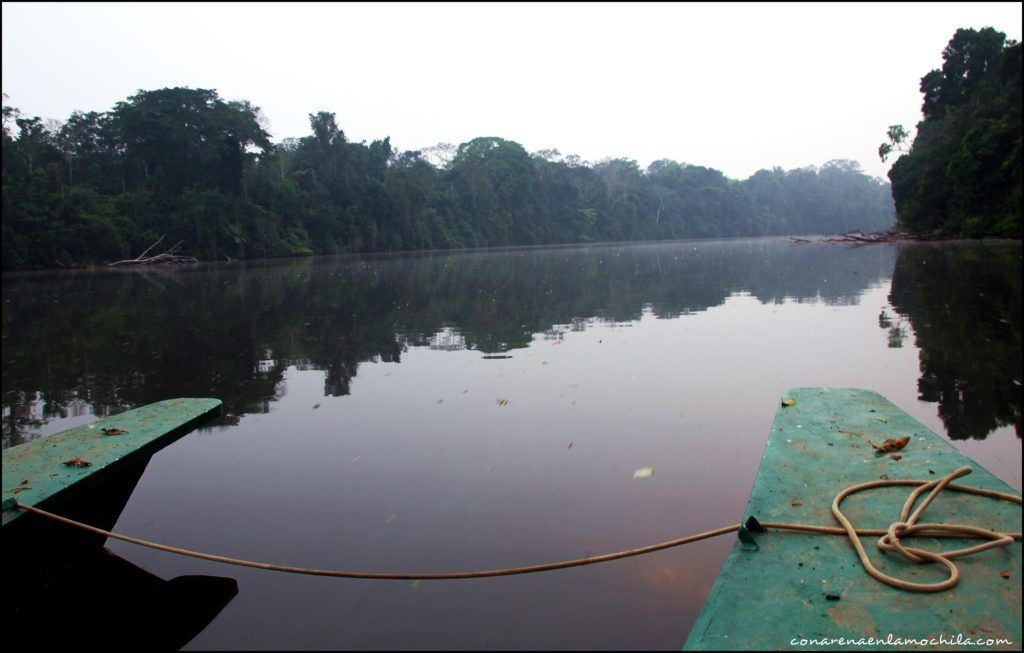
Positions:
(737, 87)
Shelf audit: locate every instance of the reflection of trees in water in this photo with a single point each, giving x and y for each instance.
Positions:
(113, 340)
(897, 334)
(964, 304)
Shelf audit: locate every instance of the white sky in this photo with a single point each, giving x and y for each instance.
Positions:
(737, 87)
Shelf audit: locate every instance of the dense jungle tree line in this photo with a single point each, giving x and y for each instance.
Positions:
(961, 175)
(186, 163)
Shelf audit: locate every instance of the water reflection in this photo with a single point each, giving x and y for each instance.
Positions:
(964, 304)
(897, 333)
(102, 342)
(107, 341)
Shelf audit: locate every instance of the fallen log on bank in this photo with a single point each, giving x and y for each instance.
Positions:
(889, 237)
(170, 256)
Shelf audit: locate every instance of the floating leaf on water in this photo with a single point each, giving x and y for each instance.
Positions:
(788, 402)
(895, 456)
(503, 402)
(832, 597)
(644, 472)
(415, 583)
(880, 419)
(315, 406)
(570, 445)
(1005, 574)
(891, 444)
(77, 462)
(796, 504)
(114, 431)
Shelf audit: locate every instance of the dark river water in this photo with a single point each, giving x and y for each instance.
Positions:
(475, 410)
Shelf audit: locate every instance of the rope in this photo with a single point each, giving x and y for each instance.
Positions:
(909, 526)
(392, 576)
(889, 541)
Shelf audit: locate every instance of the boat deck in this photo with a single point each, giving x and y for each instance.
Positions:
(36, 473)
(792, 586)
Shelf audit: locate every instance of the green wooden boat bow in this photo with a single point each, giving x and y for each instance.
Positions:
(782, 590)
(54, 468)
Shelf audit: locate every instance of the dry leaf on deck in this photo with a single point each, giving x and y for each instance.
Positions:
(114, 431)
(891, 444)
(77, 462)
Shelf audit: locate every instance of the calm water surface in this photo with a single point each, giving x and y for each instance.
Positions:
(365, 427)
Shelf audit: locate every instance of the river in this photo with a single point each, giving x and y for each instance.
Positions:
(474, 410)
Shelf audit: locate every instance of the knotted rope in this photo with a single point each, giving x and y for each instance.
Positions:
(909, 526)
(890, 540)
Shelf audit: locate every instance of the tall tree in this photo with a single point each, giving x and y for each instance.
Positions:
(962, 175)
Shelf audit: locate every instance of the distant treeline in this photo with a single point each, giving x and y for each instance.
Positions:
(186, 163)
(962, 174)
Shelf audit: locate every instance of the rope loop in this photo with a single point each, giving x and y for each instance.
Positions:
(907, 526)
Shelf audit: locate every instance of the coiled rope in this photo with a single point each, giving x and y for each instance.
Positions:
(890, 540)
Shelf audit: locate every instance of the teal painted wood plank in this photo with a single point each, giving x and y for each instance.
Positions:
(34, 473)
(775, 596)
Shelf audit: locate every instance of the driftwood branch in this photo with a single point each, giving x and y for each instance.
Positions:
(169, 256)
(143, 254)
(858, 237)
